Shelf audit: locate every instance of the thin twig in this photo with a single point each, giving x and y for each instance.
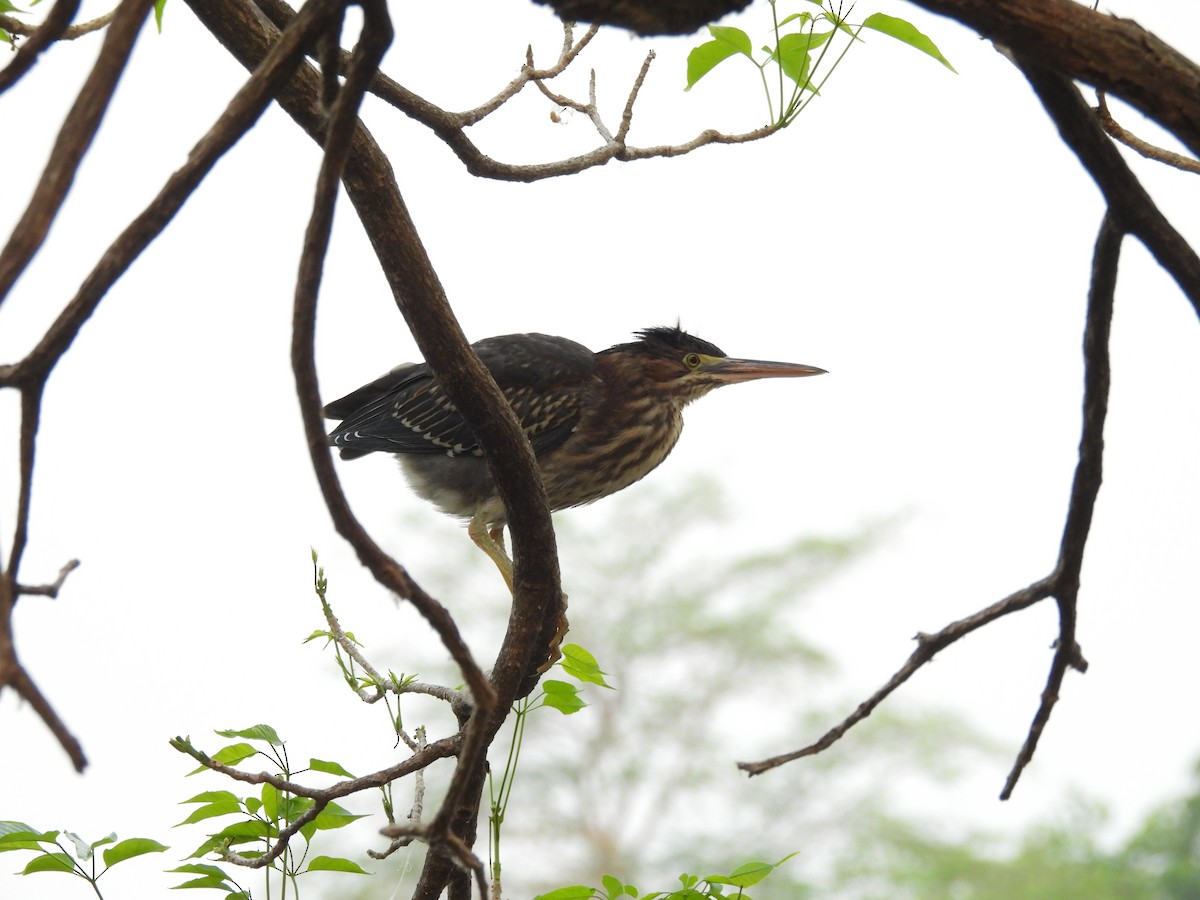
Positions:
(430, 753)
(279, 845)
(928, 646)
(29, 30)
(1145, 148)
(50, 590)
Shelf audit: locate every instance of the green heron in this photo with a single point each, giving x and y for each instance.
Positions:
(598, 422)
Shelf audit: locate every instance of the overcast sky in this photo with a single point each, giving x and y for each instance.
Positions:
(922, 235)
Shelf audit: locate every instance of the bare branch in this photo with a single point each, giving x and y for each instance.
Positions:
(72, 143)
(928, 646)
(1129, 139)
(1112, 54)
(527, 74)
(451, 127)
(14, 25)
(627, 115)
(50, 590)
(40, 37)
(13, 675)
(428, 754)
(279, 844)
(1133, 207)
(1086, 485)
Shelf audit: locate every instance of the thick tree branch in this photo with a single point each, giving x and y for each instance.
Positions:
(1133, 207)
(372, 189)
(1115, 55)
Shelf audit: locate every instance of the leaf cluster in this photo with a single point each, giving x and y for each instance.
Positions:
(67, 852)
(263, 818)
(801, 44)
(693, 887)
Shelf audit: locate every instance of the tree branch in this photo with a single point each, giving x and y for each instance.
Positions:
(1114, 129)
(1086, 485)
(51, 29)
(1117, 56)
(1133, 207)
(72, 143)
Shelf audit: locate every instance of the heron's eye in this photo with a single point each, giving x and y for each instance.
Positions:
(692, 360)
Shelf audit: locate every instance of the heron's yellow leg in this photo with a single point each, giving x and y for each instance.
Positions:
(491, 542)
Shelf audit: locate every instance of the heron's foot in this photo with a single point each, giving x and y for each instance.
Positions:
(491, 542)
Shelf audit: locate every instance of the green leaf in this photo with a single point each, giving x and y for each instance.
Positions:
(10, 827)
(331, 768)
(617, 889)
(205, 881)
(705, 58)
(237, 833)
(50, 862)
(158, 13)
(581, 665)
(234, 753)
(6, 7)
(748, 874)
(19, 836)
(229, 755)
(200, 869)
(270, 802)
(334, 816)
(573, 892)
(216, 803)
(804, 17)
(562, 696)
(212, 797)
(210, 811)
(129, 848)
(908, 33)
(335, 864)
(794, 55)
(83, 850)
(734, 37)
(255, 733)
(292, 808)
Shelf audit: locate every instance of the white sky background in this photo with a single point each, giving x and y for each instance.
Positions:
(925, 237)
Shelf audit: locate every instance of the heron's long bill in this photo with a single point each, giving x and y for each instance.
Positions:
(732, 371)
